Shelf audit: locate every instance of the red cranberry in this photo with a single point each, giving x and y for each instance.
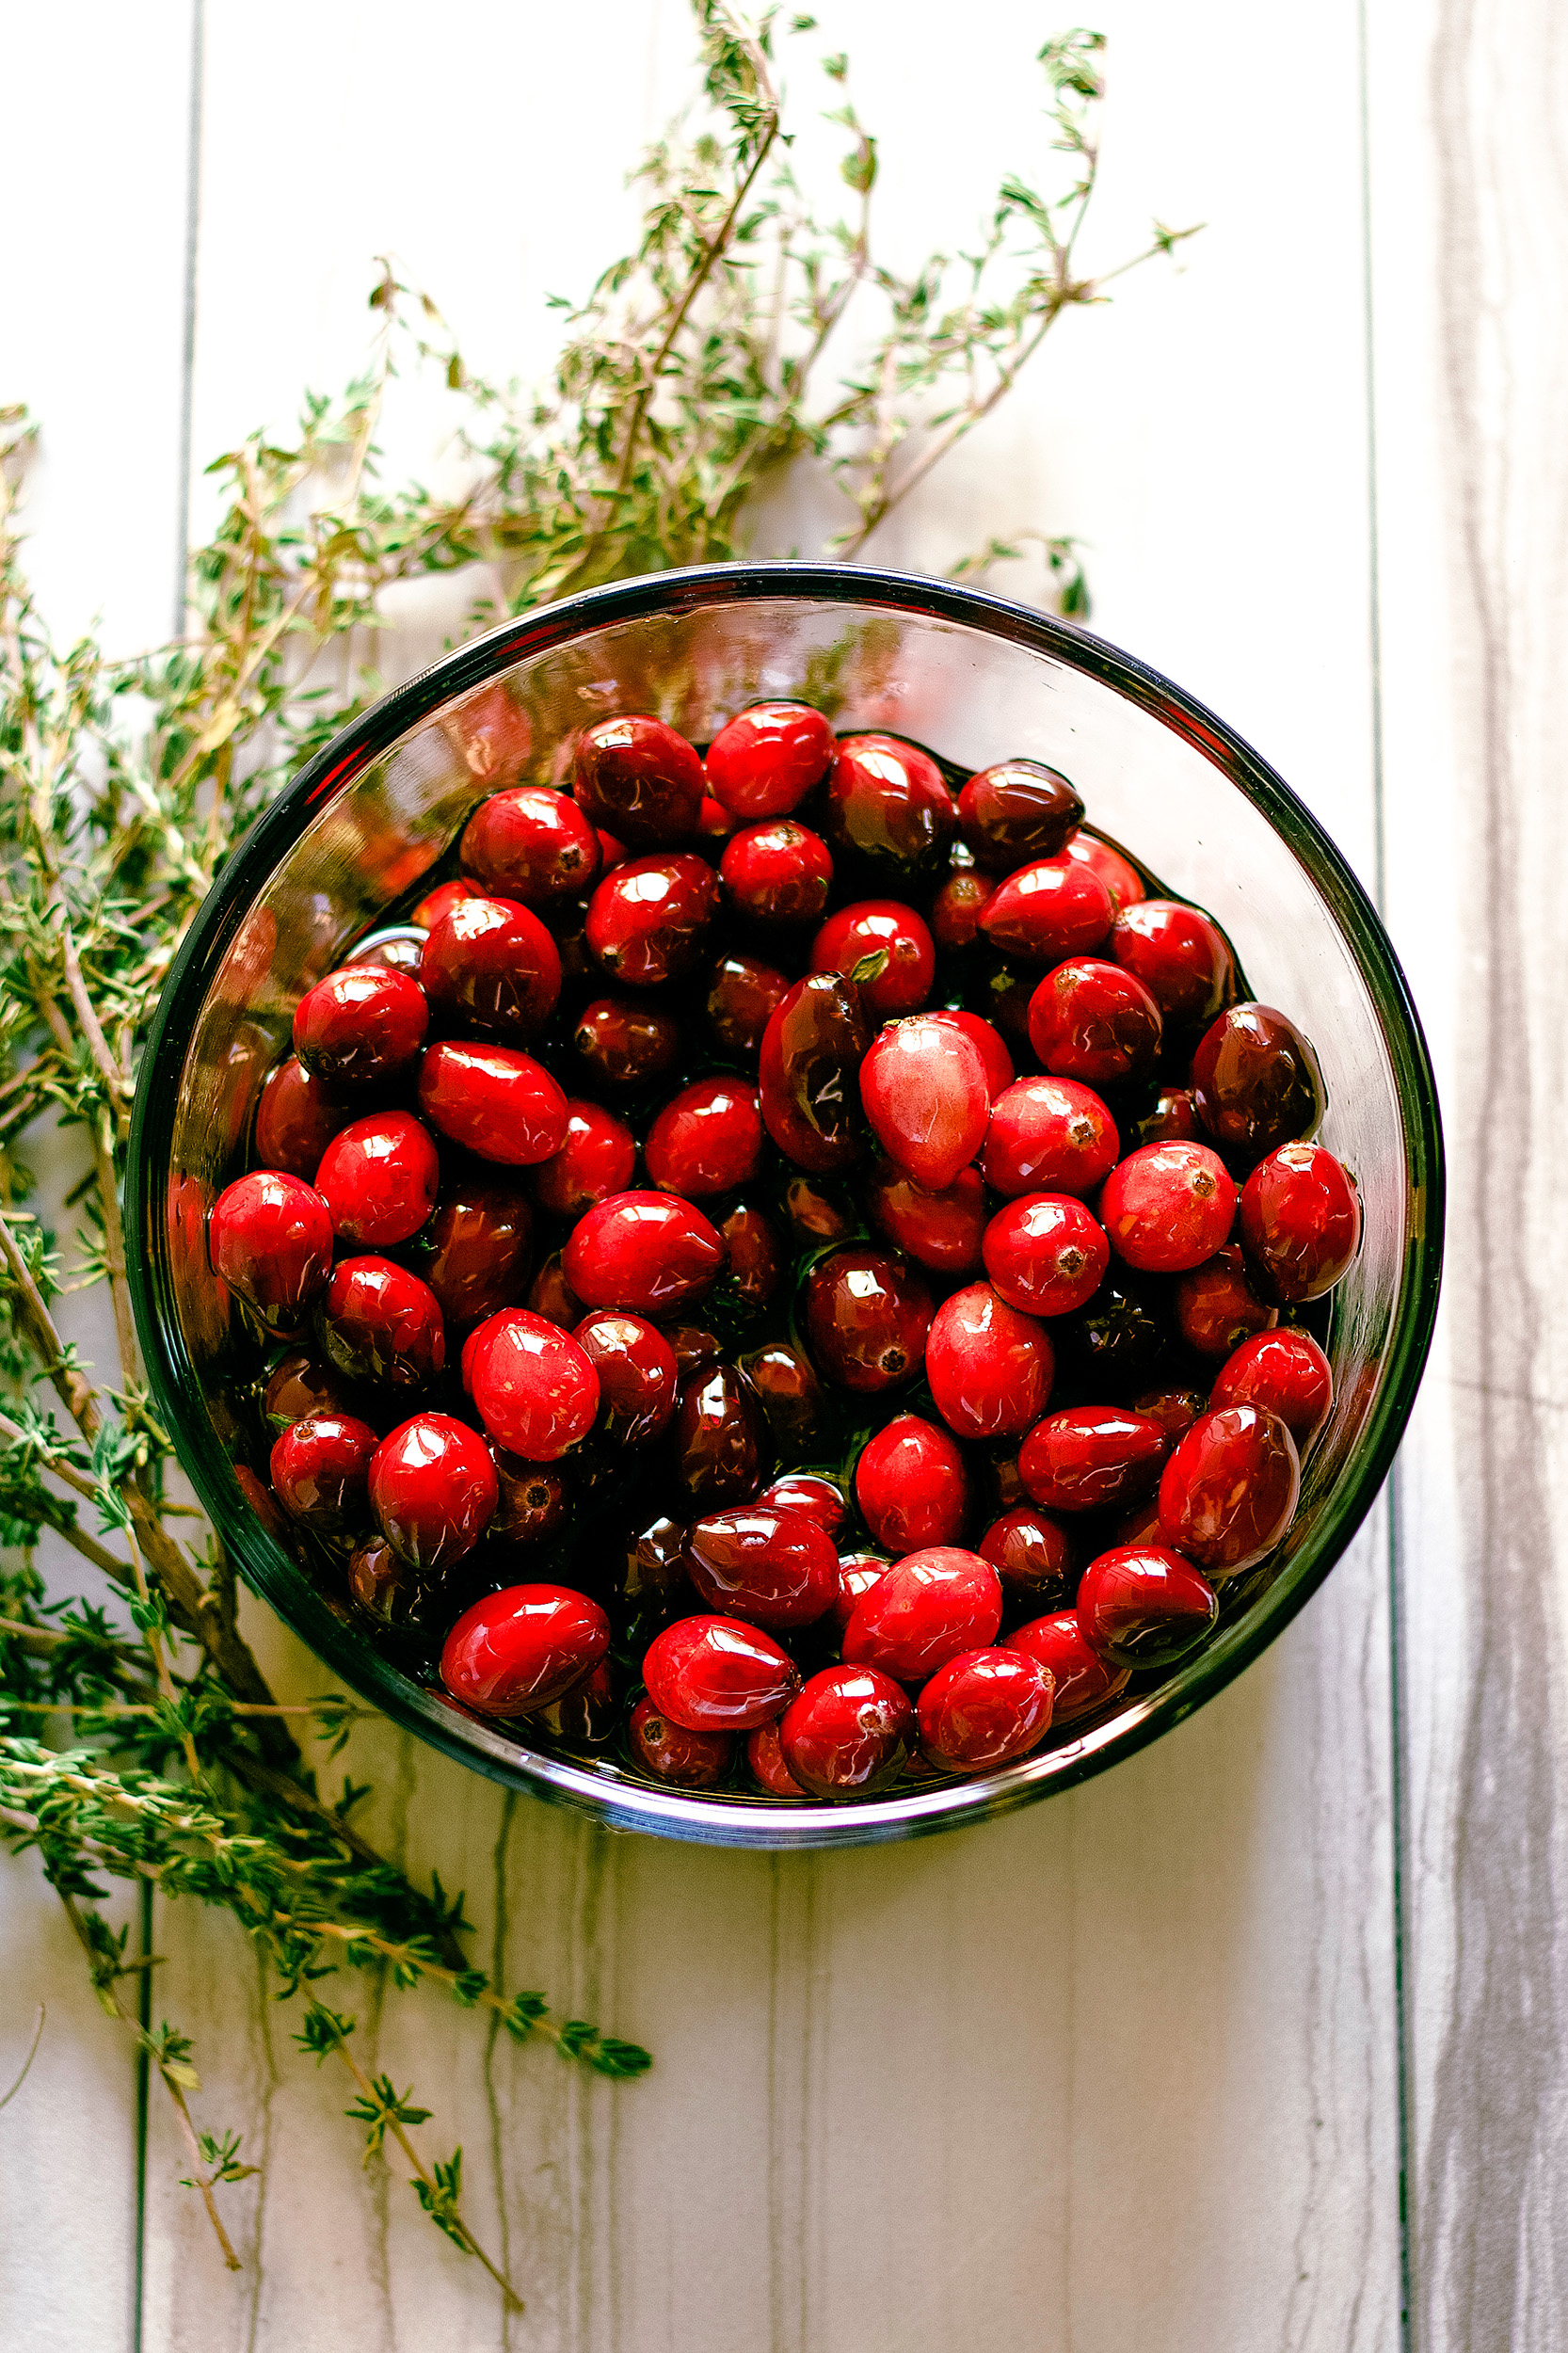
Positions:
(955, 909)
(1173, 1120)
(1091, 1458)
(1045, 1254)
(1284, 1372)
(1141, 1606)
(531, 844)
(812, 1049)
(585, 1716)
(722, 1448)
(1179, 954)
(296, 1119)
(429, 911)
(552, 1296)
(474, 1254)
(686, 1760)
(596, 1159)
(716, 1675)
(848, 1732)
(1256, 1082)
(911, 1485)
(886, 927)
(1083, 1679)
(379, 1322)
(985, 1707)
(990, 1368)
(1048, 1135)
(889, 803)
(1120, 878)
(780, 872)
(867, 1314)
(857, 1572)
(941, 1229)
(790, 1395)
(1044, 912)
(714, 821)
(531, 1502)
(270, 1239)
(380, 1180)
(492, 962)
(494, 1101)
(819, 1212)
(612, 853)
(1229, 1491)
(647, 921)
(298, 1388)
(626, 1044)
(987, 1042)
(743, 996)
(1300, 1221)
(361, 1026)
(318, 1469)
(1175, 1409)
(924, 1090)
(821, 1499)
(928, 1609)
(1018, 812)
(536, 1389)
(755, 1253)
(768, 1768)
(1032, 1556)
(638, 777)
(382, 1585)
(767, 758)
(522, 1649)
(772, 1568)
(643, 1251)
(432, 1487)
(637, 1375)
(709, 1140)
(1168, 1207)
(1095, 1022)
(1217, 1304)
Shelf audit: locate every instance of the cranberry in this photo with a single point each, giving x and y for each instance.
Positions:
(1168, 1207)
(361, 1026)
(1032, 1556)
(819, 1212)
(637, 1375)
(300, 1386)
(955, 909)
(473, 1253)
(1120, 878)
(647, 921)
(768, 1768)
(773, 1568)
(767, 758)
(270, 1239)
(1091, 1458)
(923, 1087)
(790, 1395)
(990, 1368)
(612, 853)
(926, 1609)
(1095, 1022)
(536, 1389)
(886, 927)
(522, 1649)
(379, 1178)
(778, 872)
(987, 1042)
(1044, 912)
(1175, 1409)
(755, 1253)
(382, 1585)
(585, 1716)
(941, 1229)
(552, 1296)
(866, 1315)
(596, 1159)
(812, 1049)
(1083, 1678)
(1116, 1340)
(888, 802)
(1174, 1119)
(911, 1485)
(714, 821)
(1045, 1254)
(1229, 1491)
(985, 1707)
(1018, 812)
(722, 1450)
(638, 777)
(429, 911)
(857, 1572)
(645, 1252)
(379, 1323)
(1284, 1372)
(531, 1501)
(848, 1731)
(492, 962)
(531, 844)
(1048, 1135)
(627, 1044)
(1217, 1304)
(648, 1573)
(686, 1760)
(296, 1119)
(1300, 1221)
(494, 1101)
(709, 1140)
(432, 1487)
(821, 1499)
(717, 1674)
(1141, 1606)
(693, 1347)
(1179, 954)
(1256, 1082)
(743, 996)
(400, 948)
(319, 1468)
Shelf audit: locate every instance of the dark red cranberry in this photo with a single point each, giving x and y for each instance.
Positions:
(596, 1159)
(429, 911)
(954, 917)
(812, 1049)
(743, 996)
(990, 1368)
(766, 1760)
(637, 1375)
(585, 1716)
(941, 1229)
(298, 1388)
(361, 1026)
(1091, 1458)
(379, 1179)
(1033, 1555)
(1048, 1135)
(319, 1469)
(266, 1506)
(1300, 1221)
(1256, 1082)
(766, 760)
(1003, 1490)
(1168, 1207)
(1093, 1022)
(1175, 1409)
(1229, 1491)
(492, 734)
(983, 1709)
(1044, 912)
(866, 1315)
(1173, 1120)
(296, 1119)
(491, 961)
(1084, 1679)
(626, 1044)
(857, 1572)
(718, 1674)
(1120, 878)
(686, 1760)
(790, 1396)
(1017, 813)
(709, 1140)
(647, 921)
(755, 1254)
(693, 1346)
(889, 803)
(1179, 954)
(531, 1501)
(911, 1485)
(1045, 1254)
(848, 1732)
(778, 872)
(647, 1575)
(924, 1090)
(474, 1254)
(1141, 1606)
(929, 1608)
(635, 775)
(819, 1212)
(536, 1389)
(552, 1296)
(384, 1587)
(643, 1251)
(773, 1568)
(1284, 1372)
(1217, 1304)
(879, 927)
(821, 1499)
(1115, 1341)
(270, 1239)
(494, 1101)
(532, 844)
(379, 1322)
(433, 1488)
(521, 1649)
(722, 1448)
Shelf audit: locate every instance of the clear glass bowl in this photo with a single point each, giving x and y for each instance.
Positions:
(975, 680)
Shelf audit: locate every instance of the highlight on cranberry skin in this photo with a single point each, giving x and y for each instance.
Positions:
(1048, 1135)
(865, 1316)
(942, 1230)
(885, 926)
(638, 778)
(1083, 1678)
(1016, 813)
(1092, 1021)
(269, 1238)
(776, 872)
(433, 1488)
(926, 1610)
(645, 1252)
(983, 1709)
(1287, 1373)
(889, 803)
(1044, 912)
(667, 1751)
(764, 761)
(495, 1102)
(535, 1388)
(1229, 1493)
(1141, 1606)
(522, 1649)
(637, 1375)
(296, 1118)
(1168, 1207)
(1033, 1555)
(320, 1468)
(649, 919)
(361, 1026)
(597, 1157)
(1217, 1305)
(990, 1368)
(911, 1485)
(491, 961)
(1300, 1221)
(926, 1094)
(1045, 1254)
(708, 1139)
(379, 1178)
(773, 1568)
(1179, 954)
(1256, 1083)
(718, 1674)
(380, 1323)
(1091, 1458)
(532, 844)
(848, 1732)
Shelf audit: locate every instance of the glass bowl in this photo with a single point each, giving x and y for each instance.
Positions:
(974, 679)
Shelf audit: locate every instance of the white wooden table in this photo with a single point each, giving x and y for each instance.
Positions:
(1147, 2066)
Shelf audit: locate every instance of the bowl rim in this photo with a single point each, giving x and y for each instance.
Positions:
(620, 1802)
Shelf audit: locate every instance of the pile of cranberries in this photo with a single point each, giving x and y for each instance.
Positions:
(789, 1271)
